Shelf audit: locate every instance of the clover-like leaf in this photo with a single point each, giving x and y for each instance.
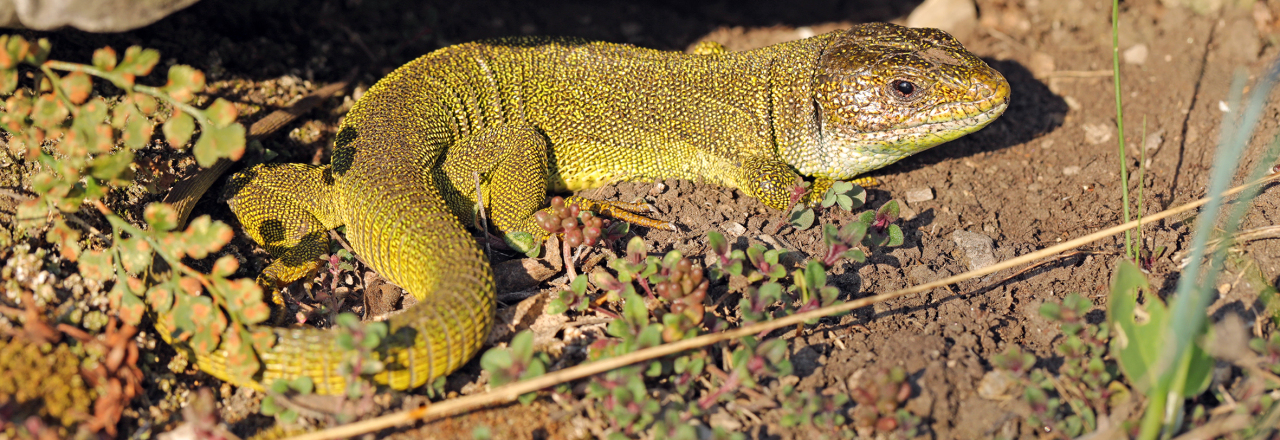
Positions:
(801, 217)
(184, 82)
(8, 80)
(222, 113)
(77, 86)
(242, 362)
(48, 112)
(178, 129)
(111, 166)
(160, 298)
(131, 309)
(104, 59)
(216, 143)
(204, 236)
(96, 265)
(135, 254)
(161, 216)
(138, 61)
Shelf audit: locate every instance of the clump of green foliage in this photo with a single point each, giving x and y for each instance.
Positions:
(663, 299)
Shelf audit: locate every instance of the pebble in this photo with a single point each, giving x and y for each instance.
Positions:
(1136, 54)
(735, 228)
(1096, 134)
(1071, 170)
(919, 195)
(978, 248)
(957, 17)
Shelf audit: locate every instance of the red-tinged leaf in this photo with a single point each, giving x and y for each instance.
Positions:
(96, 265)
(160, 298)
(172, 245)
(7, 60)
(184, 83)
(68, 240)
(77, 86)
(105, 59)
(191, 285)
(161, 216)
(138, 132)
(263, 339)
(256, 313)
(210, 323)
(225, 266)
(48, 112)
(204, 236)
(171, 321)
(177, 130)
(216, 143)
(146, 104)
(8, 80)
(135, 286)
(131, 309)
(138, 61)
(242, 361)
(135, 254)
(221, 112)
(16, 49)
(31, 214)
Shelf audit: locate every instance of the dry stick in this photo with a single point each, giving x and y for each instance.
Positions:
(510, 392)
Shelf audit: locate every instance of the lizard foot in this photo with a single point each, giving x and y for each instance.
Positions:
(625, 211)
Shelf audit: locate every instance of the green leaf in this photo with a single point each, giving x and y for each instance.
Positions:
(302, 384)
(241, 362)
(801, 217)
(48, 112)
(135, 254)
(8, 81)
(131, 309)
(204, 236)
(137, 131)
(96, 265)
(718, 244)
(178, 129)
(104, 59)
(184, 82)
(1137, 345)
(496, 359)
(77, 86)
(222, 113)
(160, 298)
(216, 143)
(111, 166)
(895, 236)
(138, 61)
(634, 310)
(522, 346)
(269, 407)
(161, 216)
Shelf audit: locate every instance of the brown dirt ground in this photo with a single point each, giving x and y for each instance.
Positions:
(1045, 172)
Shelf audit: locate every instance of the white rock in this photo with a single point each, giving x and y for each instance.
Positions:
(919, 195)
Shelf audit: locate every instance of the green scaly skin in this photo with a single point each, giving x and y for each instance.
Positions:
(525, 116)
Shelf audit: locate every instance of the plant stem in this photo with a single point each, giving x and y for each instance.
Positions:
(1124, 166)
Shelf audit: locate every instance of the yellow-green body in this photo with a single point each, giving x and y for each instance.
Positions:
(521, 117)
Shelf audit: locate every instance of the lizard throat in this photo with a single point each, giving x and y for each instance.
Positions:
(843, 156)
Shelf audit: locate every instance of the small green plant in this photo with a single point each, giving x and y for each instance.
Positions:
(517, 361)
(845, 195)
(880, 398)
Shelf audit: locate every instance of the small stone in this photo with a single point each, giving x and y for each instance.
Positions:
(919, 195)
(978, 248)
(1071, 170)
(657, 188)
(735, 228)
(1136, 54)
(957, 17)
(1096, 134)
(997, 385)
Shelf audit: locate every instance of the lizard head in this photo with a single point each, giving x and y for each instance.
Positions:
(883, 92)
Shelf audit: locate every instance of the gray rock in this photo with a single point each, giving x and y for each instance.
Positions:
(978, 248)
(86, 15)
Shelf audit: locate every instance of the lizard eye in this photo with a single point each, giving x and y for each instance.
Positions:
(905, 88)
